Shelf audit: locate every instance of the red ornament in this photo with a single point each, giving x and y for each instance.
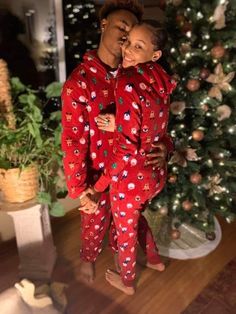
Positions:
(172, 178)
(204, 73)
(180, 20)
(187, 205)
(196, 178)
(186, 27)
(198, 135)
(193, 85)
(218, 52)
(175, 234)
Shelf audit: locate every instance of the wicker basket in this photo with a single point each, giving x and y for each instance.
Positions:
(18, 185)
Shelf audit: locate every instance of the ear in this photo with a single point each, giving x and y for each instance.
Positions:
(156, 55)
(103, 24)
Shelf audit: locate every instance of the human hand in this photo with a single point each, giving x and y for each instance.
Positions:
(158, 156)
(106, 122)
(89, 201)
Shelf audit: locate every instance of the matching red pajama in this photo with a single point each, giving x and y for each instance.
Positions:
(88, 92)
(142, 98)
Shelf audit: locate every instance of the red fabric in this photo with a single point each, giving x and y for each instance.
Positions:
(88, 91)
(142, 97)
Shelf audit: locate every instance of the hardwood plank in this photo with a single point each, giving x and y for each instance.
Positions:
(163, 293)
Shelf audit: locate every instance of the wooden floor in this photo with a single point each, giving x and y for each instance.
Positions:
(158, 293)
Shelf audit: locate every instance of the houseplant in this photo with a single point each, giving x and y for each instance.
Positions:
(29, 142)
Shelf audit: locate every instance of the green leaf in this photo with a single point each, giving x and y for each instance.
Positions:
(57, 210)
(44, 198)
(53, 89)
(17, 86)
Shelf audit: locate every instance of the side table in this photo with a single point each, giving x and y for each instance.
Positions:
(36, 250)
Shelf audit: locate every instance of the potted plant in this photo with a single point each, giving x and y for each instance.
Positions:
(30, 151)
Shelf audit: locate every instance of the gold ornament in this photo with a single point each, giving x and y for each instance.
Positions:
(163, 210)
(181, 156)
(196, 178)
(223, 112)
(176, 3)
(213, 185)
(177, 107)
(219, 15)
(217, 52)
(193, 85)
(172, 178)
(220, 82)
(187, 205)
(185, 47)
(198, 135)
(175, 234)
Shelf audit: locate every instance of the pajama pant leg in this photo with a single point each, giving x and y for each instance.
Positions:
(126, 222)
(146, 241)
(93, 229)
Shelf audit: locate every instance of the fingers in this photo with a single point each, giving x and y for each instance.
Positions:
(88, 209)
(157, 163)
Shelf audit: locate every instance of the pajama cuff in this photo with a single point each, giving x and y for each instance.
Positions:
(128, 283)
(102, 183)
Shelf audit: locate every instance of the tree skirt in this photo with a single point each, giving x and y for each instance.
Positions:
(192, 243)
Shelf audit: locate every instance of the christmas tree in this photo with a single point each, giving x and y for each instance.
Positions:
(202, 47)
(81, 30)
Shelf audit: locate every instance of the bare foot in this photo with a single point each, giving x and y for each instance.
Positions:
(87, 272)
(159, 267)
(115, 280)
(116, 262)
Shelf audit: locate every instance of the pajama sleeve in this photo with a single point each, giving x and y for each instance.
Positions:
(75, 137)
(126, 137)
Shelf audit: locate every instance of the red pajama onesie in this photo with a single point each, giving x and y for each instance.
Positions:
(142, 110)
(88, 92)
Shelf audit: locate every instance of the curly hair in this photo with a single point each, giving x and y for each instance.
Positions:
(159, 34)
(110, 6)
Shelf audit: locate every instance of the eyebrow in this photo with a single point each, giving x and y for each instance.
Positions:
(142, 41)
(123, 21)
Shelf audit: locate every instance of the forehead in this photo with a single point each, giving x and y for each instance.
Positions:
(123, 16)
(142, 32)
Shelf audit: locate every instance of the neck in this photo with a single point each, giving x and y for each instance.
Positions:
(106, 57)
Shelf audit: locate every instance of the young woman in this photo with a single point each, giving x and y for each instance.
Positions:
(142, 110)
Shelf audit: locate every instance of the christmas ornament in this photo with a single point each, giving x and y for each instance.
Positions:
(176, 3)
(177, 107)
(175, 234)
(172, 178)
(193, 85)
(187, 205)
(180, 20)
(223, 112)
(220, 82)
(205, 107)
(213, 185)
(186, 27)
(163, 210)
(196, 178)
(198, 135)
(218, 52)
(204, 73)
(183, 155)
(185, 47)
(210, 236)
(219, 15)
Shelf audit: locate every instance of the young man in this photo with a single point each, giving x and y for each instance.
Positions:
(88, 92)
